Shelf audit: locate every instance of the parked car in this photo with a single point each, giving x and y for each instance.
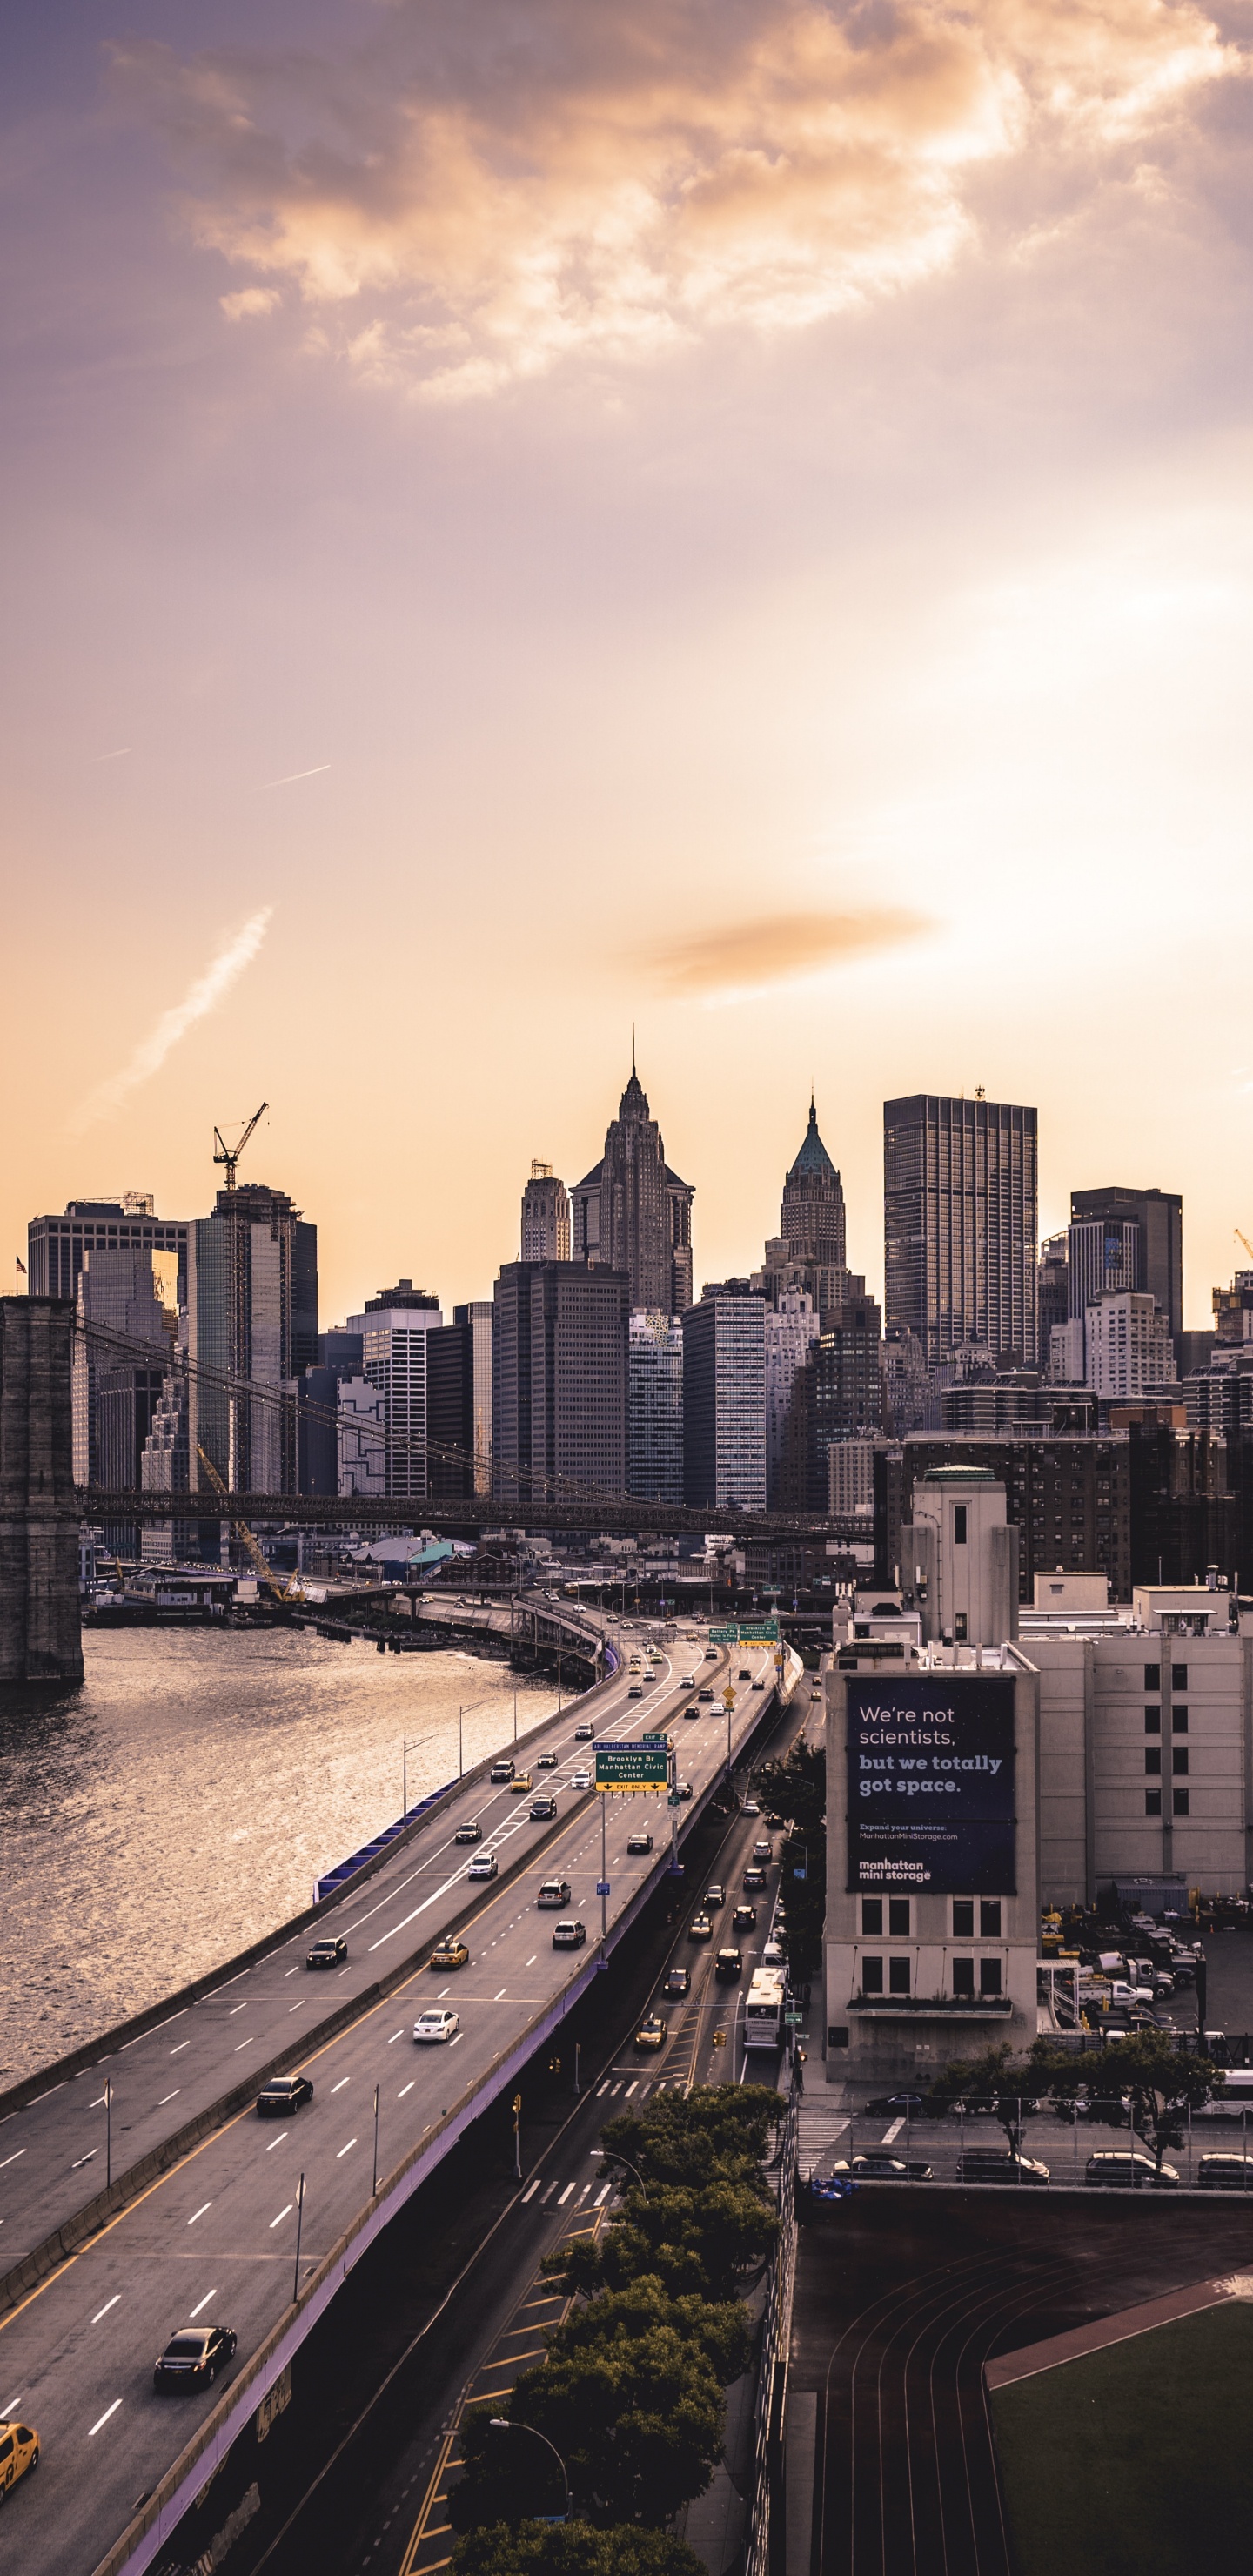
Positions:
(729, 1965)
(448, 1954)
(569, 1935)
(554, 1891)
(501, 1772)
(19, 2451)
(878, 2164)
(1000, 2164)
(439, 2024)
(744, 1919)
(283, 2095)
(193, 2357)
(521, 1784)
(580, 1779)
(542, 1810)
(485, 1865)
(1225, 2173)
(678, 1982)
(653, 2031)
(548, 1761)
(772, 1955)
(327, 1954)
(1129, 2168)
(700, 1928)
(639, 1842)
(472, 1833)
(896, 2106)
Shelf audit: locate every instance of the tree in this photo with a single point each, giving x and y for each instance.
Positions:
(697, 2243)
(1156, 2080)
(720, 2331)
(997, 2082)
(573, 2549)
(717, 2130)
(796, 1789)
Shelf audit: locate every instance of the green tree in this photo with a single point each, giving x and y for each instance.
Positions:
(720, 2331)
(796, 1789)
(716, 2130)
(575, 2549)
(996, 2081)
(697, 2243)
(1155, 2079)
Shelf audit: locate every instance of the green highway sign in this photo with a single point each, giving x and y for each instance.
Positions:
(633, 1766)
(746, 1632)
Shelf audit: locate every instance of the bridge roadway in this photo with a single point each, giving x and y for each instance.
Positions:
(215, 2237)
(465, 1517)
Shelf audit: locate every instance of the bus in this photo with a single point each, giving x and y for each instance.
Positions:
(764, 2009)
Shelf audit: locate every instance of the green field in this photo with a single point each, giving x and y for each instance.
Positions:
(1137, 2461)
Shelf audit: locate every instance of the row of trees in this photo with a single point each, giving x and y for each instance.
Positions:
(631, 2394)
(1146, 2082)
(796, 1789)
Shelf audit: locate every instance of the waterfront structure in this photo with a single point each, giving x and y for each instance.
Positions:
(459, 1402)
(559, 1380)
(252, 1313)
(792, 1328)
(56, 1245)
(655, 1408)
(545, 1216)
(394, 1329)
(40, 1630)
(632, 1213)
(960, 1220)
(1129, 1348)
(724, 1398)
(1158, 1218)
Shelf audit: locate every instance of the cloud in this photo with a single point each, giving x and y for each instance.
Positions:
(250, 302)
(203, 997)
(778, 948)
(480, 194)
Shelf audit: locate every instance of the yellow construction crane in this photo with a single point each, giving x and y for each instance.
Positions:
(265, 1573)
(229, 1154)
(1243, 1238)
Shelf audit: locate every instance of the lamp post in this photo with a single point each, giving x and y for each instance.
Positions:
(108, 2134)
(404, 1774)
(461, 1760)
(610, 2156)
(504, 2424)
(300, 2215)
(375, 2182)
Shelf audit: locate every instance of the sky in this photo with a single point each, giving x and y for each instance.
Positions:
(528, 523)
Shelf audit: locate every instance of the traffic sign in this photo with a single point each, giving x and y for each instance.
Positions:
(674, 1800)
(602, 1887)
(633, 1766)
(746, 1632)
(794, 2017)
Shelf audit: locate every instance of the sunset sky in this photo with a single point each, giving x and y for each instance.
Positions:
(524, 520)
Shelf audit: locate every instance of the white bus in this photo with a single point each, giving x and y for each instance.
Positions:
(764, 2008)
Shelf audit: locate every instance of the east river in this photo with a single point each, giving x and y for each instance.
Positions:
(182, 1802)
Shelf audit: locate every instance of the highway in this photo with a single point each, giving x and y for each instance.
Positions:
(215, 2237)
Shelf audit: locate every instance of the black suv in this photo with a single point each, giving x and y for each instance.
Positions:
(327, 1954)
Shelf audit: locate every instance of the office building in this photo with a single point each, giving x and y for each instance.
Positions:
(724, 1398)
(848, 1375)
(850, 1480)
(559, 1381)
(633, 1214)
(394, 1329)
(252, 1320)
(362, 1447)
(459, 1402)
(808, 1253)
(55, 1245)
(1158, 1216)
(121, 1353)
(1129, 1347)
(1102, 1257)
(960, 1213)
(792, 1327)
(545, 1216)
(907, 1382)
(655, 1408)
(1052, 1294)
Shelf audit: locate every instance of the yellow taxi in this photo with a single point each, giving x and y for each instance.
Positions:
(653, 2031)
(520, 1785)
(19, 2451)
(448, 1954)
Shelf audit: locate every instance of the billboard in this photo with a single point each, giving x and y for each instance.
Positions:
(931, 1784)
(633, 1766)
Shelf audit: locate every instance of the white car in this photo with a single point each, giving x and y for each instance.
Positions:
(439, 2023)
(580, 1779)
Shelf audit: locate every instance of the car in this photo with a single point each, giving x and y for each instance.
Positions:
(877, 2164)
(193, 2357)
(700, 1928)
(1128, 2168)
(500, 1772)
(750, 1808)
(1225, 2173)
(715, 1893)
(691, 1710)
(744, 1674)
(711, 1655)
(584, 1734)
(896, 2106)
(554, 1891)
(472, 1833)
(707, 1692)
(744, 1919)
(636, 1691)
(328, 1953)
(729, 1964)
(759, 1683)
(999, 2164)
(282, 2095)
(639, 1842)
(688, 1682)
(569, 1935)
(19, 2451)
(548, 1762)
(678, 1982)
(755, 1876)
(485, 1865)
(521, 1784)
(763, 1848)
(653, 2031)
(440, 2023)
(448, 1954)
(683, 1791)
(542, 1810)
(580, 1779)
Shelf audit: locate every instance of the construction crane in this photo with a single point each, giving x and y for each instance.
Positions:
(230, 1154)
(264, 1572)
(1243, 1238)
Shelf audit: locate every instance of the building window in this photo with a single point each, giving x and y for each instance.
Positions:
(989, 1976)
(963, 1976)
(1179, 1720)
(959, 1524)
(1152, 1721)
(963, 1918)
(1152, 1759)
(990, 1918)
(1181, 1802)
(959, 1628)
(1179, 1761)
(898, 1917)
(1152, 1677)
(872, 1916)
(898, 1976)
(872, 1976)
(1178, 1677)
(1152, 1802)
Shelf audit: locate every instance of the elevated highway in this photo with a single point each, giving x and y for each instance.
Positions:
(611, 1514)
(215, 2236)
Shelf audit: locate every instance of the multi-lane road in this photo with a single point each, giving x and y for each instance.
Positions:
(214, 2239)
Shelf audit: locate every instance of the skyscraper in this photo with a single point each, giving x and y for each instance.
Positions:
(1158, 1216)
(724, 1398)
(792, 1328)
(960, 1198)
(634, 1214)
(655, 1409)
(252, 1315)
(459, 1402)
(394, 1329)
(808, 1252)
(545, 1216)
(559, 1380)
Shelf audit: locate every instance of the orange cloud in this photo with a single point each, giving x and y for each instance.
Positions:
(494, 194)
(778, 948)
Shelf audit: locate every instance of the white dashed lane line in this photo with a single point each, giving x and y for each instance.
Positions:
(109, 2303)
(102, 2420)
(203, 2303)
(343, 2151)
(199, 2213)
(283, 2213)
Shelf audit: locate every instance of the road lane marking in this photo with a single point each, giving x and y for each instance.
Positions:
(298, 2007)
(283, 2213)
(237, 2008)
(109, 2303)
(602, 2195)
(199, 2213)
(99, 2102)
(631, 2088)
(499, 1999)
(583, 2195)
(530, 2192)
(10, 2406)
(291, 1972)
(177, 2052)
(244, 2043)
(565, 2195)
(276, 2142)
(203, 2303)
(20, 2151)
(344, 2079)
(101, 2420)
(83, 2160)
(455, 2043)
(893, 2132)
(342, 2151)
(406, 2088)
(531, 1961)
(602, 2088)
(396, 2034)
(169, 2097)
(549, 2187)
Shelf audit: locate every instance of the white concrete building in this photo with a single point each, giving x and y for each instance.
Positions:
(393, 1330)
(850, 1479)
(1129, 1350)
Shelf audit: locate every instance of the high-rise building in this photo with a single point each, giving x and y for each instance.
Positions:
(960, 1210)
(56, 1244)
(252, 1315)
(1129, 1347)
(634, 1214)
(792, 1328)
(1158, 1214)
(808, 1252)
(1102, 1257)
(724, 1398)
(121, 1352)
(559, 1381)
(545, 1216)
(1052, 1295)
(655, 1408)
(459, 1402)
(394, 1328)
(836, 1395)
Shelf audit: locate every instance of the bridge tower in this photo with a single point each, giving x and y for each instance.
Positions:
(40, 1627)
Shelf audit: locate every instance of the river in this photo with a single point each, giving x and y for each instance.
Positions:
(182, 1802)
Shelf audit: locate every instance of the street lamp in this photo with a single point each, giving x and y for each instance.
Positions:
(505, 2424)
(610, 2156)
